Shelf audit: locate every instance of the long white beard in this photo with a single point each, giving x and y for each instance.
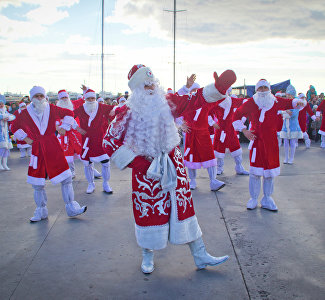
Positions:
(39, 106)
(264, 100)
(151, 128)
(90, 107)
(65, 104)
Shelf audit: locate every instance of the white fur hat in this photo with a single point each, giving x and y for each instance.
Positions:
(262, 82)
(62, 94)
(138, 75)
(90, 93)
(36, 90)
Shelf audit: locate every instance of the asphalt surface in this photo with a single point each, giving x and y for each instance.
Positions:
(95, 256)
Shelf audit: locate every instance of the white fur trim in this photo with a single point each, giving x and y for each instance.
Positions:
(152, 237)
(313, 117)
(90, 94)
(211, 94)
(63, 94)
(262, 82)
(266, 173)
(317, 113)
(35, 180)
(238, 125)
(123, 156)
(198, 111)
(211, 121)
(236, 152)
(187, 151)
(183, 91)
(198, 165)
(41, 124)
(69, 159)
(20, 135)
(98, 158)
(139, 77)
(69, 120)
(182, 232)
(219, 154)
(253, 157)
(226, 105)
(321, 132)
(59, 178)
(294, 103)
(23, 146)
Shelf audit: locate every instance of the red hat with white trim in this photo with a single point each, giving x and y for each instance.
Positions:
(62, 94)
(262, 82)
(90, 93)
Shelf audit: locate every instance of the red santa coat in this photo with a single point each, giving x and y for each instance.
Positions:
(159, 215)
(47, 159)
(226, 136)
(264, 150)
(321, 108)
(302, 118)
(20, 144)
(198, 149)
(92, 148)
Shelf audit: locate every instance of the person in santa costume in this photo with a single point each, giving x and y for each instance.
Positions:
(144, 137)
(5, 142)
(321, 131)
(302, 118)
(261, 110)
(36, 125)
(225, 135)
(92, 115)
(291, 131)
(198, 147)
(71, 140)
(24, 148)
(279, 120)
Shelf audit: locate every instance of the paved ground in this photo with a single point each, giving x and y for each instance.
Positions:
(272, 255)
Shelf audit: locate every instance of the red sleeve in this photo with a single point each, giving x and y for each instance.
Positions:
(181, 105)
(309, 110)
(242, 111)
(107, 110)
(61, 112)
(284, 103)
(321, 106)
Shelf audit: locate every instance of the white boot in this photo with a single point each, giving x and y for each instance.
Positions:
(89, 174)
(72, 207)
(106, 173)
(192, 176)
(40, 199)
(22, 152)
(279, 141)
(96, 173)
(29, 151)
(203, 259)
(215, 184)
(147, 265)
(1, 166)
(220, 164)
(267, 201)
(72, 169)
(307, 140)
(254, 190)
(322, 144)
(286, 151)
(4, 163)
(239, 167)
(293, 145)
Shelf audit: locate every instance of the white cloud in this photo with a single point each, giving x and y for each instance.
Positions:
(218, 22)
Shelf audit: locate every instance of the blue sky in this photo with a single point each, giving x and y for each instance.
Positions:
(56, 43)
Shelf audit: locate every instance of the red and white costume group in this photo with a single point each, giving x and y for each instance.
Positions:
(321, 109)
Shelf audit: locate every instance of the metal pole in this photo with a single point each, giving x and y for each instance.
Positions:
(174, 62)
(102, 48)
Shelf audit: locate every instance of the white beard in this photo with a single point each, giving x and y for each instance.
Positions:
(151, 128)
(39, 106)
(264, 100)
(90, 107)
(65, 104)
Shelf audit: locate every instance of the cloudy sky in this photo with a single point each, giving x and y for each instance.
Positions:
(57, 43)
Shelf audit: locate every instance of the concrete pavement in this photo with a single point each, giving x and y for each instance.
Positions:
(95, 256)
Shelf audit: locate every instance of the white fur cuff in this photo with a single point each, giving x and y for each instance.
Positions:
(313, 117)
(238, 125)
(123, 156)
(211, 94)
(20, 135)
(317, 113)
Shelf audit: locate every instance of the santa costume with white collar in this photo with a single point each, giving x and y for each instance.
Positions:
(261, 110)
(71, 140)
(36, 125)
(91, 117)
(225, 135)
(24, 148)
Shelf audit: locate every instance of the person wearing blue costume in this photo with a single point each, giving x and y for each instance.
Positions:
(291, 131)
(5, 142)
